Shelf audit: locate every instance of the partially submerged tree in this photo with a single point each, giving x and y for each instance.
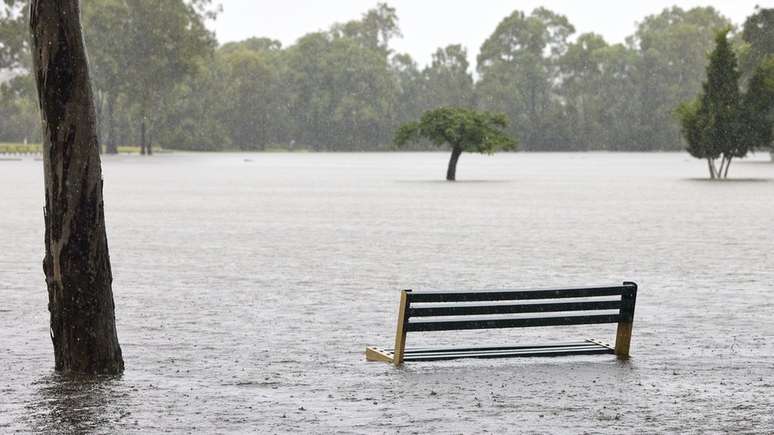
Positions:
(710, 124)
(77, 264)
(722, 123)
(462, 130)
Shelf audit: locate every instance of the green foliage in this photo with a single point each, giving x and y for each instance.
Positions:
(720, 101)
(599, 90)
(710, 123)
(672, 48)
(142, 53)
(154, 62)
(723, 123)
(757, 107)
(466, 129)
(758, 35)
(448, 81)
(14, 46)
(519, 69)
(19, 115)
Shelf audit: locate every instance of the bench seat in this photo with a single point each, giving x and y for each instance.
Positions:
(586, 347)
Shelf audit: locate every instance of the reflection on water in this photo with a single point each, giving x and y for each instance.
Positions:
(76, 404)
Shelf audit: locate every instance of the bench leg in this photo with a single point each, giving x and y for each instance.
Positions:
(623, 339)
(624, 335)
(400, 333)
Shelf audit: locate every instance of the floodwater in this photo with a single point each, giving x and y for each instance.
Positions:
(248, 285)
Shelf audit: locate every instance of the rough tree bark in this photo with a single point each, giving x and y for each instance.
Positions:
(77, 265)
(451, 173)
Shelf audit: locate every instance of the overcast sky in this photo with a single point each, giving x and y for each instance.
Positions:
(429, 24)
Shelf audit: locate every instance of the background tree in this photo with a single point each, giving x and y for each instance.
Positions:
(519, 69)
(102, 20)
(411, 88)
(19, 114)
(711, 124)
(253, 80)
(345, 89)
(758, 37)
(462, 130)
(169, 42)
(77, 263)
(757, 108)
(14, 45)
(449, 81)
(672, 48)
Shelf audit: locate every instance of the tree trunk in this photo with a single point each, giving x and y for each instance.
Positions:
(77, 264)
(711, 166)
(451, 173)
(112, 145)
(728, 165)
(149, 146)
(142, 137)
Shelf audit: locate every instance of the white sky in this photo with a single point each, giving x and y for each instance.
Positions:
(429, 24)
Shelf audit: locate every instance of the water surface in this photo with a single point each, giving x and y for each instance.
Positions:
(247, 286)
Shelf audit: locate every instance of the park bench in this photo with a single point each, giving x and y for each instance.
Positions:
(421, 311)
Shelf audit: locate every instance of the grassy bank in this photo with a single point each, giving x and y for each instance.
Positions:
(19, 148)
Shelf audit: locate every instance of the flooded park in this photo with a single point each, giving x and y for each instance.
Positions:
(247, 286)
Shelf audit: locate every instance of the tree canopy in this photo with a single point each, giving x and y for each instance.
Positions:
(460, 129)
(722, 122)
(346, 88)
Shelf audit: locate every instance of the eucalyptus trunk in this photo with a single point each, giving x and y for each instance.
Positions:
(76, 264)
(451, 173)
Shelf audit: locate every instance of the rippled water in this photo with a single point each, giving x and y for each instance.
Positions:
(247, 287)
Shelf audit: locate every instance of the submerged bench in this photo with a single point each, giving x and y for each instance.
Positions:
(457, 310)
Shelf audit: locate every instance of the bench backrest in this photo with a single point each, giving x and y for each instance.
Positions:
(458, 310)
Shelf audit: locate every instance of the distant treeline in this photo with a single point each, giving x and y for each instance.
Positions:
(161, 78)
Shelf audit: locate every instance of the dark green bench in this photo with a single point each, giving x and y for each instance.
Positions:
(459, 310)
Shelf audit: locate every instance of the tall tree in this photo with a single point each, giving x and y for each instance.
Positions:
(77, 263)
(449, 82)
(14, 47)
(758, 35)
(460, 129)
(19, 114)
(411, 88)
(757, 108)
(111, 61)
(519, 70)
(169, 42)
(672, 48)
(711, 124)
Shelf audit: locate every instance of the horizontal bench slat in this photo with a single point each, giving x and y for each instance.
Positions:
(512, 295)
(451, 325)
(588, 346)
(544, 352)
(512, 309)
(496, 348)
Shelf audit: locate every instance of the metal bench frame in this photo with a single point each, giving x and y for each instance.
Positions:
(453, 310)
